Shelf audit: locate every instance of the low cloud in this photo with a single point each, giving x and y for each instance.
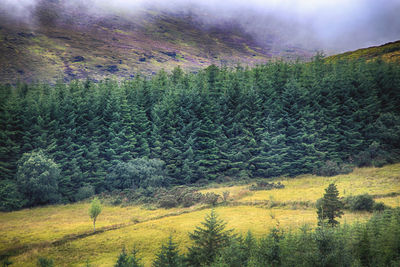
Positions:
(331, 25)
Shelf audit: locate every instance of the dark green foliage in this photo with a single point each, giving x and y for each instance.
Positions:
(238, 253)
(84, 192)
(168, 201)
(360, 202)
(45, 262)
(10, 197)
(329, 207)
(262, 185)
(208, 240)
(137, 173)
(169, 255)
(6, 262)
(379, 206)
(363, 202)
(331, 168)
(268, 252)
(270, 120)
(128, 260)
(38, 178)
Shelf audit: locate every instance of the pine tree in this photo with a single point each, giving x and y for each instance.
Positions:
(125, 260)
(329, 207)
(168, 255)
(208, 240)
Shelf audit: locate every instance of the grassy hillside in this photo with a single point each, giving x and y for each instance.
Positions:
(64, 232)
(72, 44)
(389, 52)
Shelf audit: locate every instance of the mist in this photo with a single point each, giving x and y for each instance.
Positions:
(331, 25)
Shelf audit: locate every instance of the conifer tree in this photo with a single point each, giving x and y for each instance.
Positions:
(208, 240)
(168, 256)
(329, 207)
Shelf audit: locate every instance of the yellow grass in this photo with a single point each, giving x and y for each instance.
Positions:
(390, 201)
(149, 228)
(309, 188)
(47, 224)
(103, 249)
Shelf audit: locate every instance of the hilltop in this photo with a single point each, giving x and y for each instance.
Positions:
(71, 43)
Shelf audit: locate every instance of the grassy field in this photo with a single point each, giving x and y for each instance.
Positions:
(36, 229)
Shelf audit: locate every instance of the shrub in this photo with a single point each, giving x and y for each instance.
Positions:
(191, 199)
(363, 202)
(379, 206)
(44, 262)
(225, 196)
(211, 198)
(182, 195)
(37, 178)
(266, 186)
(168, 201)
(84, 192)
(331, 168)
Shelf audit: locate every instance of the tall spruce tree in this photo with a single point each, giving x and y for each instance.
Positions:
(208, 240)
(329, 207)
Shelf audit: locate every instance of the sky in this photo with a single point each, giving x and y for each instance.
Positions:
(332, 25)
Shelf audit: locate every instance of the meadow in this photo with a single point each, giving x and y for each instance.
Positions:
(64, 232)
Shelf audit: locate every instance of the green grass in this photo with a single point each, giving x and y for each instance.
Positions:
(246, 210)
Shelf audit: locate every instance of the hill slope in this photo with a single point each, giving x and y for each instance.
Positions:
(389, 52)
(71, 43)
(69, 239)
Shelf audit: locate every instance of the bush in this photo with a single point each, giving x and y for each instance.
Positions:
(37, 178)
(168, 201)
(191, 199)
(266, 186)
(182, 195)
(379, 206)
(211, 198)
(363, 202)
(44, 262)
(84, 192)
(331, 168)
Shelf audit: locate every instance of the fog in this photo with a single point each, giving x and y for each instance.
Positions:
(330, 25)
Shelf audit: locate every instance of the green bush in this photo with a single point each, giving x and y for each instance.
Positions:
(331, 168)
(84, 192)
(10, 197)
(379, 206)
(38, 178)
(45, 262)
(363, 202)
(168, 201)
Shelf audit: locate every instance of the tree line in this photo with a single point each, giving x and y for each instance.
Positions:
(184, 128)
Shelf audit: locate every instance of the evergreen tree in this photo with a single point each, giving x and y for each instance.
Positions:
(125, 260)
(329, 207)
(168, 256)
(208, 241)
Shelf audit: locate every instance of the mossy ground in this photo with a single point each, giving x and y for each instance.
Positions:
(258, 211)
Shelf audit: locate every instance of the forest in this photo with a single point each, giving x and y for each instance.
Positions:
(61, 143)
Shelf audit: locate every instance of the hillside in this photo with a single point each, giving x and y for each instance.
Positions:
(68, 237)
(71, 43)
(389, 52)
